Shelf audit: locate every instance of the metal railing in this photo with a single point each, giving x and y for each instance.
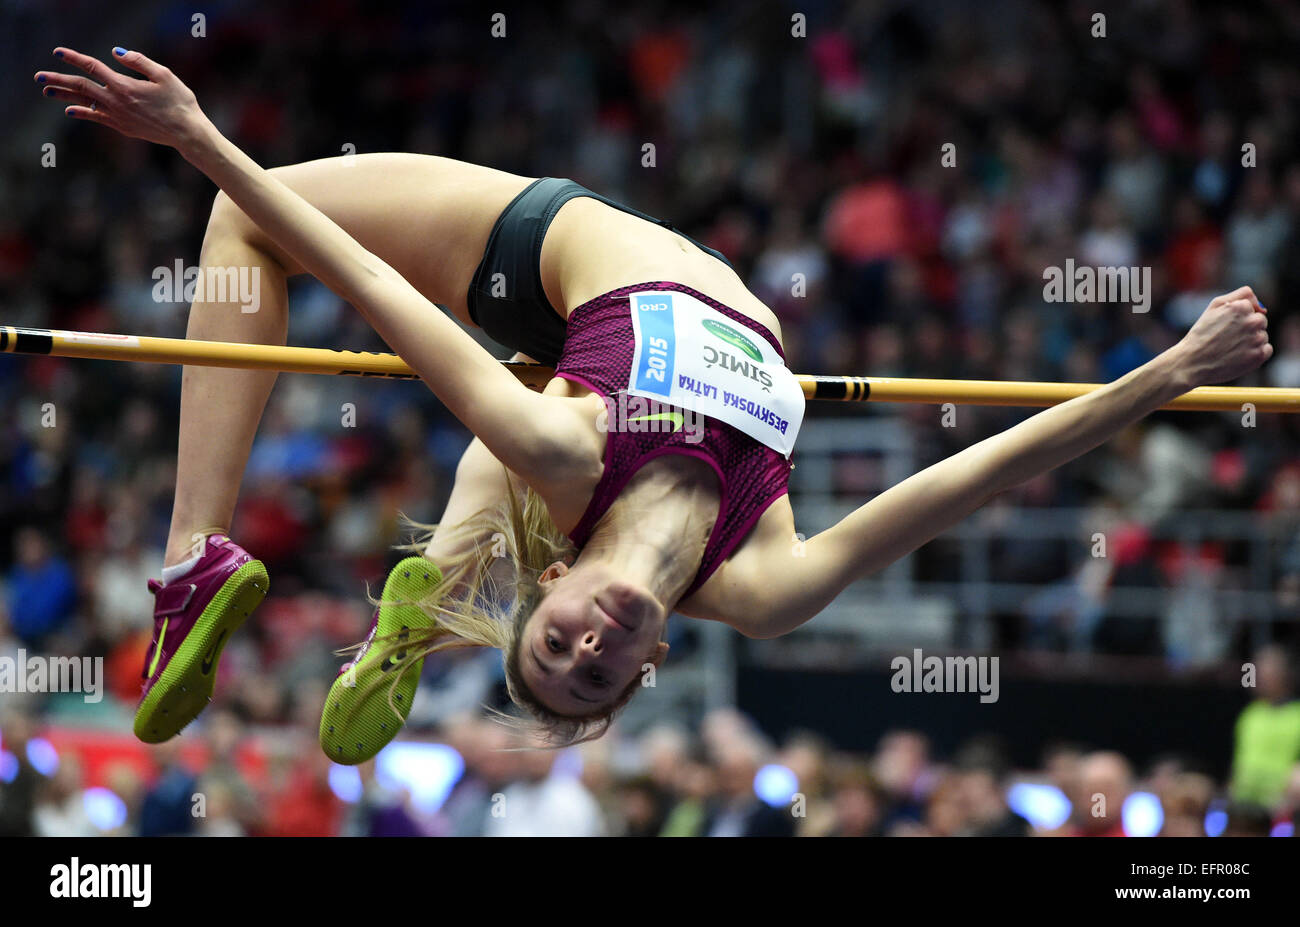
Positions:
(1243, 593)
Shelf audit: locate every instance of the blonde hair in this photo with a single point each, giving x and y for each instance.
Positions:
(475, 606)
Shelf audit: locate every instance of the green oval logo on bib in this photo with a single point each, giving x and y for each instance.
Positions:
(732, 337)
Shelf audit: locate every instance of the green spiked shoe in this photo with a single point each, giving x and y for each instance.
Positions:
(358, 721)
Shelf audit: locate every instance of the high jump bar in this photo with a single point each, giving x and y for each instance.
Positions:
(146, 349)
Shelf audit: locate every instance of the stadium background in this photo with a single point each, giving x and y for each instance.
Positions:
(816, 155)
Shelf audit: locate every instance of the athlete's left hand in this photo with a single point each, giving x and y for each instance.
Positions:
(156, 106)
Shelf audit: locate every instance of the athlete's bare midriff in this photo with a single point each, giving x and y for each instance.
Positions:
(591, 249)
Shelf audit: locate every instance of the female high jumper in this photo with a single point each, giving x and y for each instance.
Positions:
(581, 516)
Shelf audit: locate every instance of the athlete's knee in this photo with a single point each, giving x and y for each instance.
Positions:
(226, 220)
(231, 235)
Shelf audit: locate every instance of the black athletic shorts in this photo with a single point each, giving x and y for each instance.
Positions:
(512, 308)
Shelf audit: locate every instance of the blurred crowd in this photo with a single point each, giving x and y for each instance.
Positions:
(724, 780)
(893, 182)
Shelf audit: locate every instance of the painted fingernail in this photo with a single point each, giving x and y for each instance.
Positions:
(119, 51)
(40, 78)
(58, 54)
(49, 91)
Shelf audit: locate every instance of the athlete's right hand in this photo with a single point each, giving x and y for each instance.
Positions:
(158, 108)
(1230, 339)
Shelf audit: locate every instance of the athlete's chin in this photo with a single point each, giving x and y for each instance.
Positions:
(628, 603)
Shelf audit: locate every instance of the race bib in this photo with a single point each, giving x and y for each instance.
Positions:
(690, 355)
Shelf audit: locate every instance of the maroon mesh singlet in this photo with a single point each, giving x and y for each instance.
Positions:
(598, 350)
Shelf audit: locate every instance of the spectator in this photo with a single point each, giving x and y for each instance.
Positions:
(1186, 803)
(643, 807)
(859, 804)
(545, 802)
(303, 804)
(1105, 783)
(61, 808)
(489, 767)
(42, 590)
(902, 768)
(382, 810)
(223, 735)
(982, 781)
(1247, 820)
(1267, 741)
(168, 806)
(737, 811)
(20, 783)
(695, 786)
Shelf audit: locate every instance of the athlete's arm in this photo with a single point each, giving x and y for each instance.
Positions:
(526, 431)
(482, 482)
(779, 586)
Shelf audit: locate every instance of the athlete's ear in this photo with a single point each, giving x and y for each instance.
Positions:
(553, 572)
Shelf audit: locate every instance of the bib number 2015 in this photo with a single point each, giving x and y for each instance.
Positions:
(656, 358)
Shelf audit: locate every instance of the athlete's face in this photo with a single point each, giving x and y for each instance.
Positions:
(589, 638)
